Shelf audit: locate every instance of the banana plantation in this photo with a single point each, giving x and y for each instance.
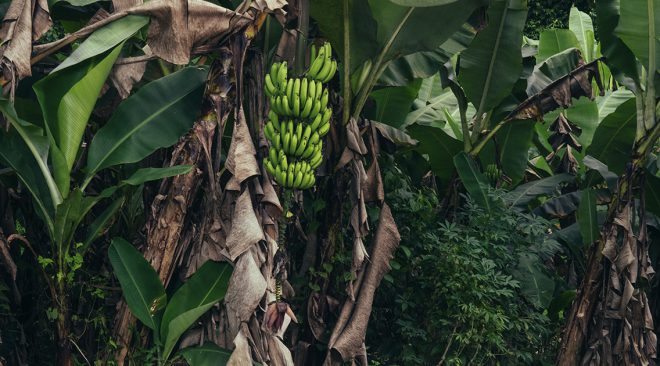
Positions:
(329, 182)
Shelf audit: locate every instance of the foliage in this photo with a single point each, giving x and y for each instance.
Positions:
(461, 286)
(545, 14)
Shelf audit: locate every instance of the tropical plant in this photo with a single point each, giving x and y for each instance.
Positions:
(169, 319)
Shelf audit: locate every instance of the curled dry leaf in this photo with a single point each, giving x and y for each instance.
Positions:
(125, 75)
(245, 229)
(241, 160)
(349, 333)
(241, 355)
(278, 352)
(25, 21)
(559, 93)
(246, 288)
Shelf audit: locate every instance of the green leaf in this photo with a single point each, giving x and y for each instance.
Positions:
(588, 217)
(619, 57)
(514, 140)
(67, 99)
(154, 117)
(149, 174)
(608, 103)
(202, 290)
(594, 164)
(104, 39)
(526, 193)
(33, 143)
(535, 285)
(475, 183)
(405, 30)
(207, 355)
(439, 147)
(639, 26)
(551, 69)
(96, 228)
(554, 41)
(67, 217)
(584, 113)
(143, 291)
(393, 103)
(15, 154)
(422, 3)
(652, 194)
(329, 15)
(492, 63)
(580, 23)
(613, 140)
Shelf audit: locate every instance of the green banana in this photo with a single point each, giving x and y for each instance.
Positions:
(297, 182)
(289, 89)
(303, 91)
(325, 71)
(272, 116)
(317, 122)
(313, 53)
(296, 103)
(316, 109)
(301, 147)
(277, 140)
(324, 129)
(307, 133)
(293, 146)
(309, 150)
(289, 176)
(331, 74)
(269, 167)
(324, 99)
(326, 115)
(296, 87)
(285, 106)
(283, 162)
(319, 89)
(308, 108)
(272, 154)
(286, 139)
(299, 130)
(274, 70)
(311, 89)
(281, 74)
(269, 87)
(315, 138)
(317, 64)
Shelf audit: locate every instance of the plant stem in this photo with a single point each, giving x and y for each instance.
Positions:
(301, 41)
(480, 145)
(346, 116)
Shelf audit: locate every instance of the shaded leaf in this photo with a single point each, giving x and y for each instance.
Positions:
(207, 355)
(143, 291)
(619, 57)
(202, 290)
(514, 140)
(148, 174)
(474, 181)
(439, 147)
(492, 63)
(393, 103)
(551, 69)
(526, 193)
(395, 135)
(588, 217)
(652, 194)
(593, 163)
(154, 117)
(613, 140)
(535, 285)
(638, 19)
(609, 102)
(96, 227)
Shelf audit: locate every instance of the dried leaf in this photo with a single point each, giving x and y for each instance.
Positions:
(241, 355)
(246, 288)
(125, 75)
(279, 353)
(25, 22)
(241, 160)
(245, 228)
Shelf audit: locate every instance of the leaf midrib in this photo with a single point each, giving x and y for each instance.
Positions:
(491, 65)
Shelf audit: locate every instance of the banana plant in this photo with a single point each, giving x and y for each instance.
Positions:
(44, 154)
(169, 319)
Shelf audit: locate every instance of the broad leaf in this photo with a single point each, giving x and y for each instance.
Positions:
(405, 30)
(474, 181)
(67, 99)
(154, 117)
(67, 217)
(148, 174)
(143, 291)
(104, 39)
(96, 228)
(619, 57)
(639, 26)
(207, 355)
(588, 217)
(554, 41)
(514, 140)
(537, 286)
(584, 113)
(602, 169)
(526, 193)
(393, 103)
(439, 147)
(202, 290)
(551, 69)
(613, 140)
(608, 103)
(580, 23)
(492, 63)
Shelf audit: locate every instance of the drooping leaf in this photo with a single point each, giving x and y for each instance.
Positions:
(559, 207)
(584, 113)
(207, 355)
(143, 291)
(474, 181)
(329, 15)
(154, 117)
(613, 140)
(104, 39)
(439, 147)
(67, 98)
(551, 69)
(395, 135)
(514, 140)
(639, 26)
(148, 174)
(492, 63)
(619, 57)
(554, 41)
(393, 103)
(609, 102)
(202, 290)
(594, 164)
(537, 286)
(588, 217)
(581, 25)
(526, 193)
(410, 29)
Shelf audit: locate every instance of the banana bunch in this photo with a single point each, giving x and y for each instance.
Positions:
(298, 119)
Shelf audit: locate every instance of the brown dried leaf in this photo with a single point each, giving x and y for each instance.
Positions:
(245, 228)
(241, 161)
(372, 187)
(246, 288)
(559, 93)
(125, 75)
(25, 22)
(349, 332)
(279, 353)
(241, 355)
